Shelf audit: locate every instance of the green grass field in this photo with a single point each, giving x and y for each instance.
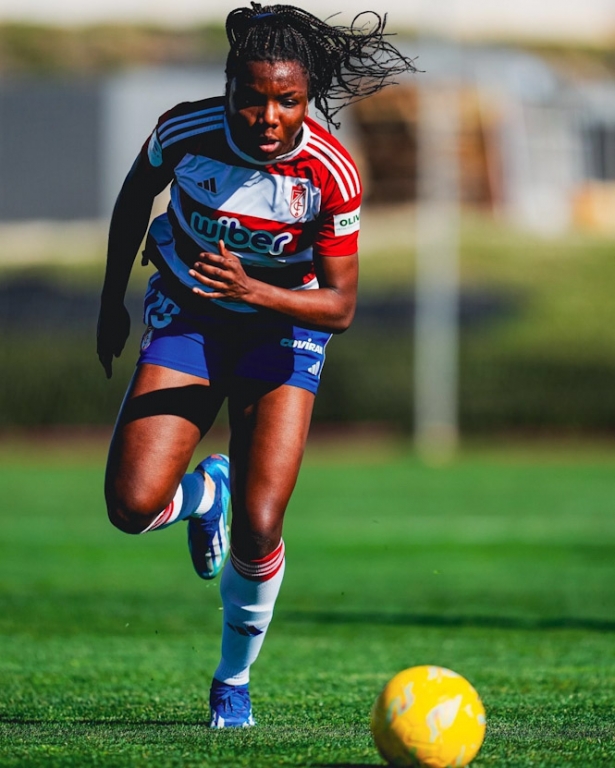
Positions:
(500, 566)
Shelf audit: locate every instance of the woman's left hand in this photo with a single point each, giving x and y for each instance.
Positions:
(330, 307)
(223, 274)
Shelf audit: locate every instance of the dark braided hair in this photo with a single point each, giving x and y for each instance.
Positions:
(343, 64)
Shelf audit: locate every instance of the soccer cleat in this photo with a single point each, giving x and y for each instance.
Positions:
(208, 535)
(230, 706)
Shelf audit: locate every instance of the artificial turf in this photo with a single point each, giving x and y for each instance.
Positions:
(500, 565)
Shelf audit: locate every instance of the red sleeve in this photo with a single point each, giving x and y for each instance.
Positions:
(342, 191)
(339, 232)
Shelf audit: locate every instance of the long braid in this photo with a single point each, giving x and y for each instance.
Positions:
(344, 64)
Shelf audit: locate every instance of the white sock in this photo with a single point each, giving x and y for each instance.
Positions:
(194, 496)
(249, 591)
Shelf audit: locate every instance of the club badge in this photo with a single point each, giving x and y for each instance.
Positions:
(298, 200)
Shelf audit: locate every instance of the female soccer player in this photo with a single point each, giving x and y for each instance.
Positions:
(257, 267)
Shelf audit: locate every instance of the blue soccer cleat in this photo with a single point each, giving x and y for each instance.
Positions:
(208, 534)
(230, 706)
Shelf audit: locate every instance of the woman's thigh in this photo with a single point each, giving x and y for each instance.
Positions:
(164, 416)
(269, 428)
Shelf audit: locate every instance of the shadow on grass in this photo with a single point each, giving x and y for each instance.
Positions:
(429, 620)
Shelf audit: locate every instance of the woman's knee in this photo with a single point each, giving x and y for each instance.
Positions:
(255, 538)
(133, 512)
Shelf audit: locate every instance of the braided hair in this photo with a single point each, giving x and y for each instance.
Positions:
(343, 64)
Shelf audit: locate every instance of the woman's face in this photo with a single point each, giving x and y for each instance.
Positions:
(267, 103)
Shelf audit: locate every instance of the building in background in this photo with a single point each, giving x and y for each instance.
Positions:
(67, 144)
(536, 140)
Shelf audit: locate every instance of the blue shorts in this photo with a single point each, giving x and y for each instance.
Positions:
(224, 344)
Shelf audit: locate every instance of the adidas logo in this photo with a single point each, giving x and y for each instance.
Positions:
(314, 368)
(246, 630)
(209, 185)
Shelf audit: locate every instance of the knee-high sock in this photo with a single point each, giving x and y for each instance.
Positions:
(194, 496)
(249, 591)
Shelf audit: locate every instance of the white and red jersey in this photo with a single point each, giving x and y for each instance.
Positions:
(276, 216)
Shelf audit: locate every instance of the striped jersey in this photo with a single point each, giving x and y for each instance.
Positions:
(276, 216)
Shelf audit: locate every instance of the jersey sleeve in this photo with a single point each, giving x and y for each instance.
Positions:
(152, 152)
(340, 217)
(178, 131)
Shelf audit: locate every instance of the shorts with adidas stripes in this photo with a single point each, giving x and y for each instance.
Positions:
(224, 344)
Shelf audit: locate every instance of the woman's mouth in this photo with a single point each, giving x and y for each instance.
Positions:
(268, 144)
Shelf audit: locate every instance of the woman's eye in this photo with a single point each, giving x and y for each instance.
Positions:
(245, 99)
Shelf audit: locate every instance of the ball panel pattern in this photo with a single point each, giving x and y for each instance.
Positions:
(428, 717)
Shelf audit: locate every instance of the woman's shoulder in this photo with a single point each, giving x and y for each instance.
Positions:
(181, 128)
(211, 109)
(335, 167)
(319, 135)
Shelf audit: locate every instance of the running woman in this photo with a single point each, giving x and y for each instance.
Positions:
(256, 262)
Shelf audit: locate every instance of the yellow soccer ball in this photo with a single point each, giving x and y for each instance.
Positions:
(428, 717)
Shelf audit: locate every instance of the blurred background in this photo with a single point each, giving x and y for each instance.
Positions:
(488, 229)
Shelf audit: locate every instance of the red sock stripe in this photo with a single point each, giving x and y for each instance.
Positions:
(260, 570)
(163, 517)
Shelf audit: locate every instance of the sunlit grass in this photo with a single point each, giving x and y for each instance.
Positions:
(499, 565)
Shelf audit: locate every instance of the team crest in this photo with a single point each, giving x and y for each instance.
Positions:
(298, 201)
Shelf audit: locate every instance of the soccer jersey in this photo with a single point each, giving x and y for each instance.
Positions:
(276, 216)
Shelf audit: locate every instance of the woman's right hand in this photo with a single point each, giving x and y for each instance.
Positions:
(111, 334)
